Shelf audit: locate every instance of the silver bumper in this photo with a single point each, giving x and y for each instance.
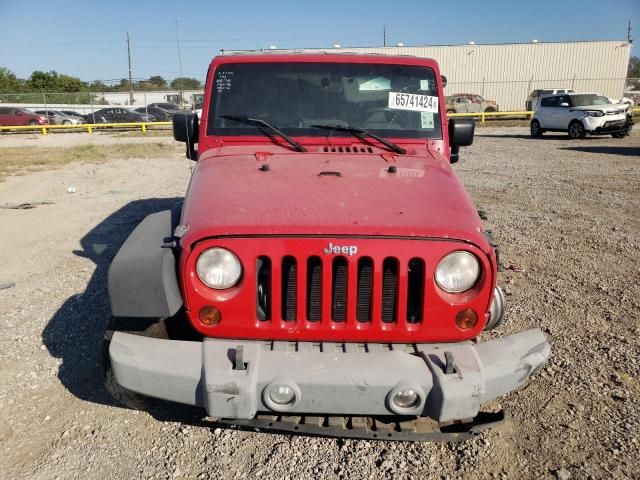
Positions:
(233, 378)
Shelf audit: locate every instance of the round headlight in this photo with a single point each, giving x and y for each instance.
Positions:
(457, 272)
(218, 268)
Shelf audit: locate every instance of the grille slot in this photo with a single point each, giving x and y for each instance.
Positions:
(339, 290)
(364, 289)
(314, 289)
(389, 289)
(289, 289)
(263, 288)
(415, 290)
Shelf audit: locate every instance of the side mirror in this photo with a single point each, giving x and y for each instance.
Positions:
(461, 132)
(564, 104)
(186, 128)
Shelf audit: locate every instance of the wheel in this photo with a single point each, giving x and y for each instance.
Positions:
(576, 130)
(136, 326)
(451, 111)
(176, 327)
(618, 135)
(33, 123)
(536, 131)
(66, 122)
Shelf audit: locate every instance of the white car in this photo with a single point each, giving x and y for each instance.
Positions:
(580, 114)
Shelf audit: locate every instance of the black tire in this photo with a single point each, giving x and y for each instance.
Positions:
(450, 111)
(176, 327)
(536, 130)
(33, 123)
(618, 135)
(138, 326)
(66, 122)
(576, 130)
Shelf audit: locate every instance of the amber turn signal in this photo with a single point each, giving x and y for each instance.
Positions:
(466, 319)
(210, 315)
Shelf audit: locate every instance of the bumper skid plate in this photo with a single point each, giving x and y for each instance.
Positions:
(371, 428)
(337, 382)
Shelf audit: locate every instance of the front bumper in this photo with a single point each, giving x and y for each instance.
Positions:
(606, 124)
(233, 378)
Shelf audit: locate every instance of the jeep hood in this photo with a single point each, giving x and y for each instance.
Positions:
(329, 194)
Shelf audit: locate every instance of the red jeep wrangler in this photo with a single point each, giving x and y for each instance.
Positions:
(327, 272)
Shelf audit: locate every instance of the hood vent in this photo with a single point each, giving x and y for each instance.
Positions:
(347, 149)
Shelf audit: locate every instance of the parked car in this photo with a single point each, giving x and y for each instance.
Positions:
(532, 101)
(580, 114)
(59, 118)
(169, 107)
(73, 113)
(10, 116)
(160, 114)
(469, 103)
(117, 115)
(624, 100)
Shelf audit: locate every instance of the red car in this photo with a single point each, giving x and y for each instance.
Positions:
(10, 116)
(326, 272)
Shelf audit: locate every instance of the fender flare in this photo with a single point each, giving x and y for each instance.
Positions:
(142, 279)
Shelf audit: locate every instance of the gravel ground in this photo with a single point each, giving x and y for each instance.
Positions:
(566, 216)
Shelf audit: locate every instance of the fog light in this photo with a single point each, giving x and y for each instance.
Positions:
(282, 394)
(210, 315)
(466, 319)
(406, 398)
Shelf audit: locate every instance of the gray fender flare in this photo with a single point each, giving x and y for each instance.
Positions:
(142, 279)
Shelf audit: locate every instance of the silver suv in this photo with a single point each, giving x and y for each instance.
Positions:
(580, 114)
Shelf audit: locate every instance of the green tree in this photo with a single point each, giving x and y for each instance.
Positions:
(43, 81)
(66, 83)
(634, 73)
(157, 81)
(9, 83)
(185, 83)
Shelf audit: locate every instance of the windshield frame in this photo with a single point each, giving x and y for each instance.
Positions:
(249, 134)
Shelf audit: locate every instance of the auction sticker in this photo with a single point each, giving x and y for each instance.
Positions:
(413, 101)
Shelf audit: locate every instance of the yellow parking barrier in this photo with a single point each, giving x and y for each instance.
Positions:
(143, 126)
(89, 127)
(483, 115)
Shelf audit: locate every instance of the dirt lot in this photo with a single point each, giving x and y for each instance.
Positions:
(565, 212)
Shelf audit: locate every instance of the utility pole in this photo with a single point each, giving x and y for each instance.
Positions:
(130, 80)
(384, 36)
(629, 39)
(180, 65)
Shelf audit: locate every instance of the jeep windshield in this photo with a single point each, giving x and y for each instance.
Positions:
(399, 101)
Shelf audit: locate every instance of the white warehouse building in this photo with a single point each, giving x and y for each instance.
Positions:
(507, 73)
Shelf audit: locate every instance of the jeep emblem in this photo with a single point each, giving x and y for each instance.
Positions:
(337, 249)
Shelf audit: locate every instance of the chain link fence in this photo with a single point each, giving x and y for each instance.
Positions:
(89, 102)
(509, 95)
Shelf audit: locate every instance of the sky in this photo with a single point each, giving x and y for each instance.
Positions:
(87, 39)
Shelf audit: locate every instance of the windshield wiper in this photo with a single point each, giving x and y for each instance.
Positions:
(267, 125)
(360, 133)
